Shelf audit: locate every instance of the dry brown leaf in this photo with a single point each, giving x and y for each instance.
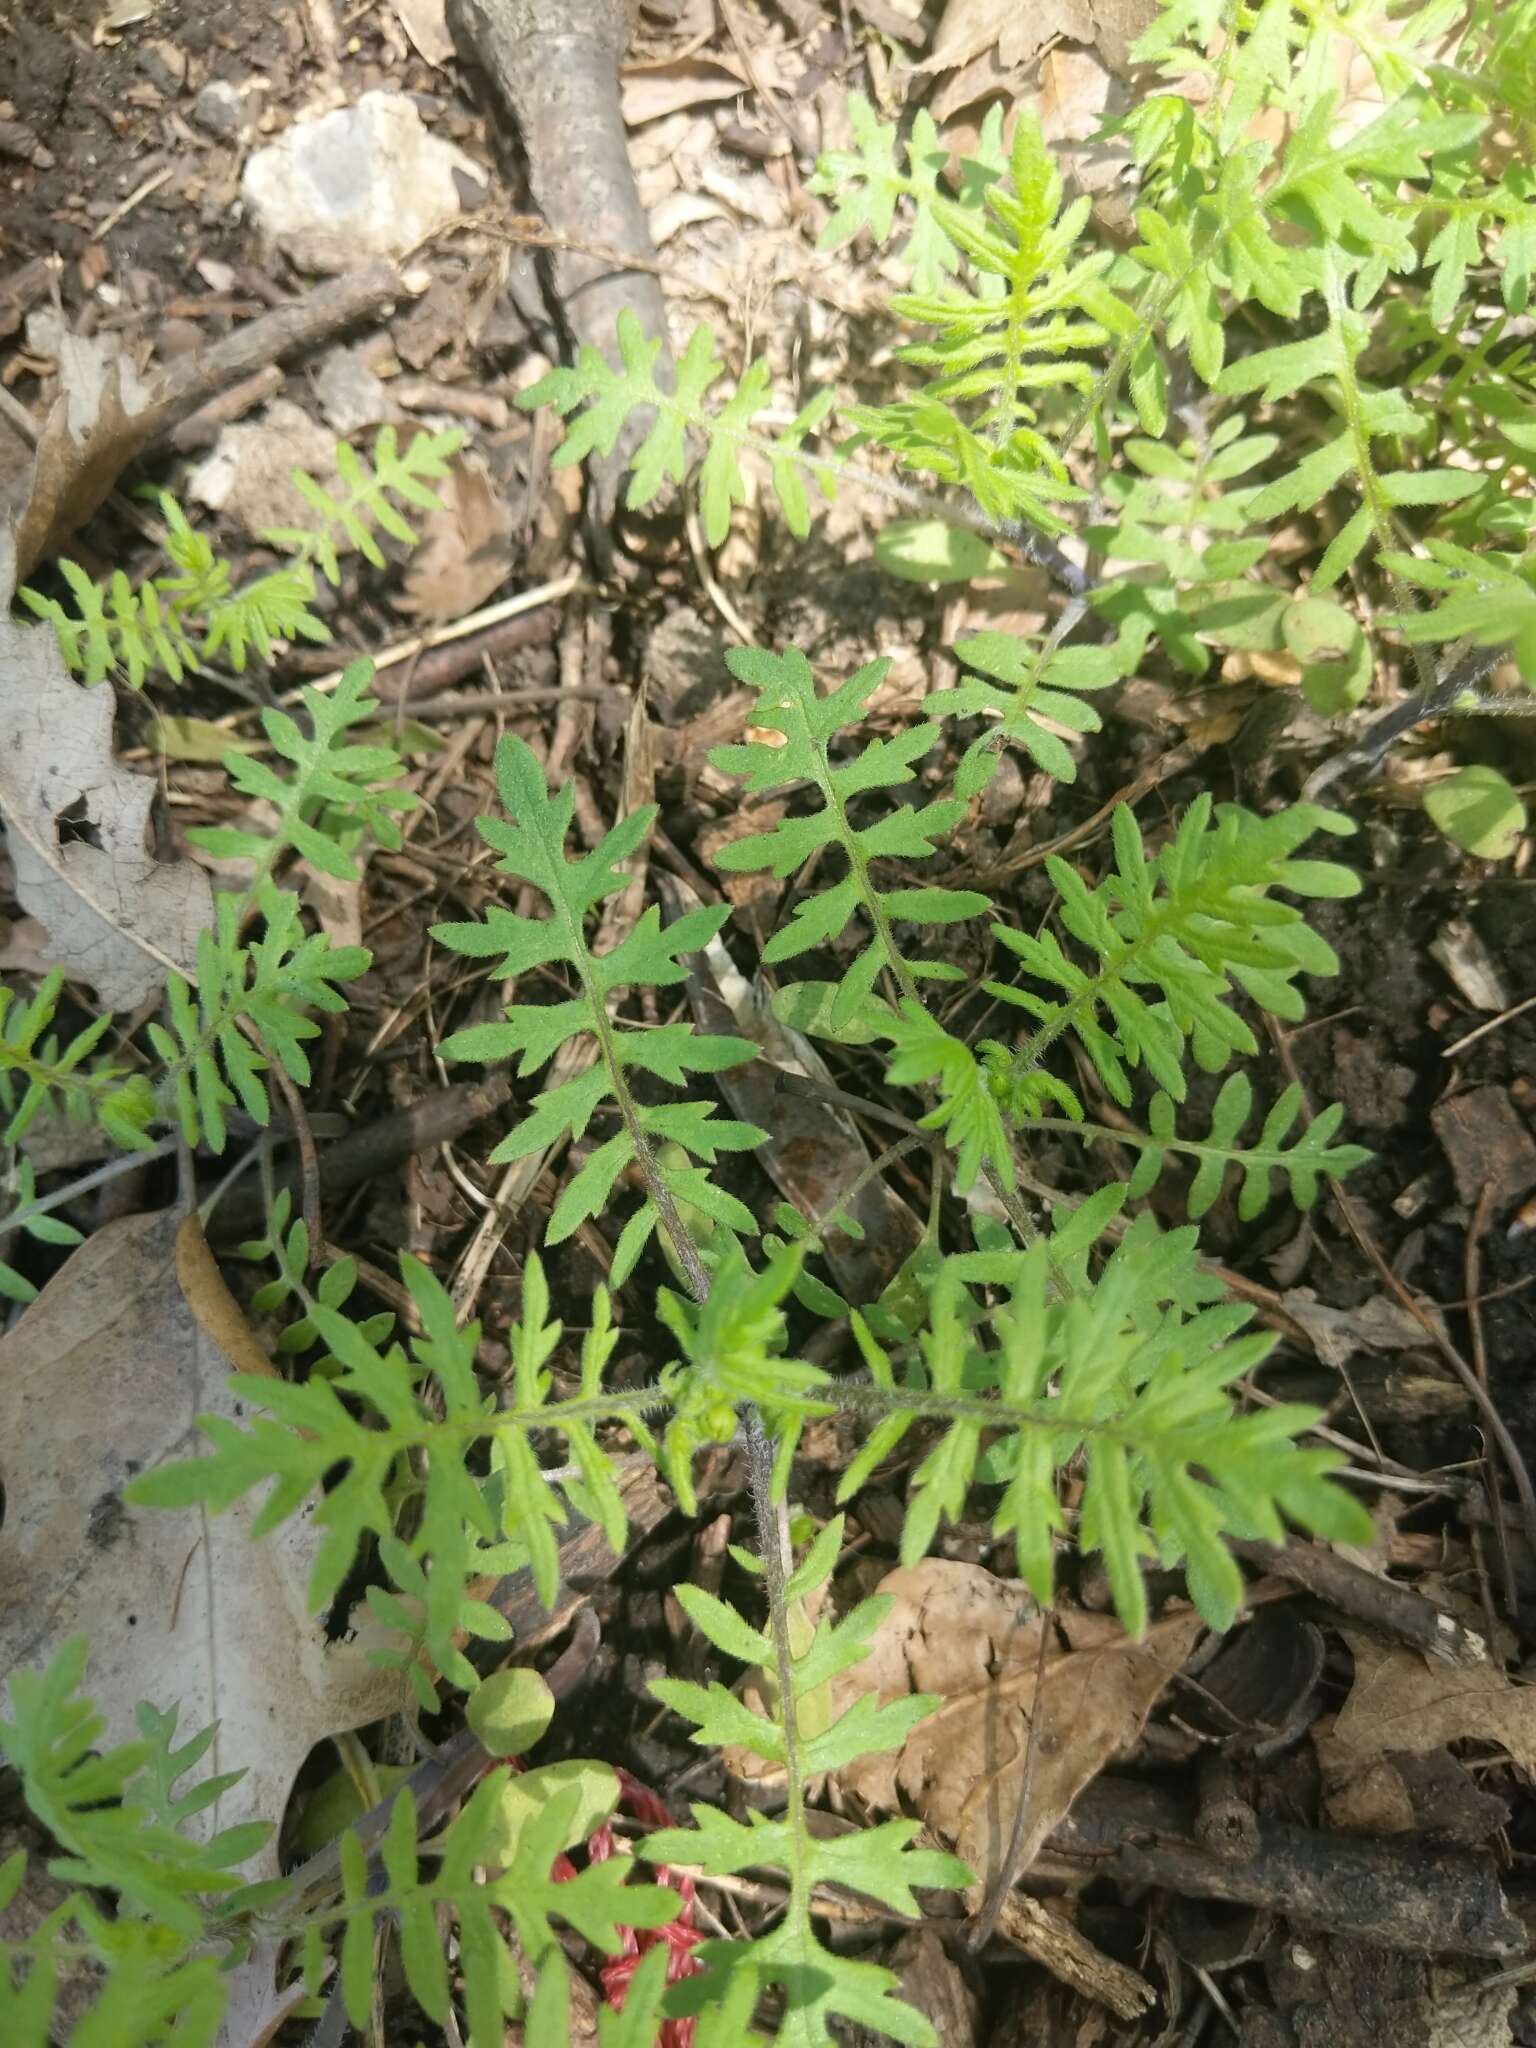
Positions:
(99, 1383)
(959, 1631)
(465, 553)
(1401, 1702)
(990, 45)
(972, 28)
(90, 436)
(115, 916)
(1336, 1334)
(649, 92)
(1078, 91)
(76, 465)
(426, 23)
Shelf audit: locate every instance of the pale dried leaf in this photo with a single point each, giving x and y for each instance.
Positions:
(256, 2009)
(959, 1631)
(1459, 949)
(1336, 1334)
(100, 1381)
(649, 92)
(84, 362)
(978, 83)
(465, 553)
(426, 23)
(116, 917)
(89, 438)
(975, 28)
(1401, 1701)
(681, 210)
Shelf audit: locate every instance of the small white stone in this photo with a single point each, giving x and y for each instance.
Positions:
(366, 180)
(350, 395)
(222, 110)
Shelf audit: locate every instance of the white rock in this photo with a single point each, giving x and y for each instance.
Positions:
(367, 180)
(222, 109)
(350, 395)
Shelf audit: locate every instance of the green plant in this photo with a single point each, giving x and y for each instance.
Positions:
(250, 1007)
(1379, 242)
(177, 622)
(1089, 1341)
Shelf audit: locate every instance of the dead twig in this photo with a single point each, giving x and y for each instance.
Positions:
(1472, 1278)
(1395, 1611)
(1172, 763)
(304, 1138)
(1433, 701)
(421, 644)
(375, 1150)
(1014, 1863)
(1490, 1024)
(1391, 1892)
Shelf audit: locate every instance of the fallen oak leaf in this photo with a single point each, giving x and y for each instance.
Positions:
(972, 28)
(959, 1631)
(115, 916)
(99, 1383)
(465, 551)
(95, 428)
(1403, 1703)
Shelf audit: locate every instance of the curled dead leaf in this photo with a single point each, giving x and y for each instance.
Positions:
(959, 1631)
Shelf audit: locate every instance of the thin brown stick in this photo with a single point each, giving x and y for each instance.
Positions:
(1012, 1867)
(1172, 763)
(1472, 1276)
(304, 1137)
(365, 1154)
(1393, 1610)
(1491, 1024)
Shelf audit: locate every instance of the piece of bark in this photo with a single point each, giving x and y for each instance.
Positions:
(585, 1559)
(200, 429)
(1490, 1149)
(1226, 1825)
(22, 289)
(935, 1985)
(556, 64)
(1392, 1893)
(1071, 1957)
(1259, 1691)
(1395, 1611)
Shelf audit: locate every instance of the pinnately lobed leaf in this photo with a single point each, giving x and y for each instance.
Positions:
(1283, 251)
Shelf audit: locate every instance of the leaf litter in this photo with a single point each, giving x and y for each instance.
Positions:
(100, 1382)
(973, 1639)
(77, 825)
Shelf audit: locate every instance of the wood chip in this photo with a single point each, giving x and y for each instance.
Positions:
(1488, 1145)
